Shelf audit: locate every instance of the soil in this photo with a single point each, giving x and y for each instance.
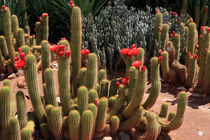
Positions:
(196, 125)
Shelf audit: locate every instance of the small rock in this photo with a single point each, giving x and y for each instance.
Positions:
(58, 99)
(21, 84)
(55, 66)
(12, 76)
(197, 95)
(200, 133)
(182, 88)
(107, 138)
(19, 72)
(125, 137)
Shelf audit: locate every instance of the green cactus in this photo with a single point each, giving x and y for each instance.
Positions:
(82, 97)
(27, 30)
(191, 72)
(82, 74)
(92, 95)
(115, 122)
(3, 47)
(64, 79)
(164, 36)
(27, 42)
(20, 37)
(87, 121)
(171, 52)
(118, 103)
(102, 75)
(193, 34)
(98, 88)
(186, 36)
(76, 41)
(45, 27)
(113, 88)
(157, 24)
(46, 57)
(184, 6)
(133, 72)
(93, 108)
(197, 12)
(141, 55)
(152, 130)
(56, 119)
(14, 129)
(107, 130)
(165, 66)
(205, 16)
(25, 49)
(45, 130)
(74, 125)
(178, 119)
(207, 75)
(171, 116)
(172, 77)
(50, 87)
(164, 110)
(104, 88)
(8, 32)
(156, 83)
(112, 100)
(15, 25)
(132, 120)
(65, 128)
(176, 41)
(48, 109)
(182, 73)
(101, 117)
(31, 79)
(21, 109)
(26, 132)
(143, 123)
(2, 64)
(129, 61)
(38, 31)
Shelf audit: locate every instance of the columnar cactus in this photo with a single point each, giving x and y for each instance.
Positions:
(114, 122)
(15, 25)
(113, 87)
(164, 36)
(94, 109)
(92, 95)
(104, 88)
(38, 30)
(158, 23)
(82, 74)
(193, 34)
(76, 41)
(3, 47)
(184, 6)
(197, 12)
(207, 75)
(176, 41)
(31, 79)
(26, 132)
(45, 130)
(74, 125)
(45, 26)
(165, 66)
(133, 72)
(87, 121)
(205, 16)
(102, 75)
(20, 38)
(164, 110)
(22, 6)
(82, 97)
(141, 55)
(191, 72)
(27, 30)
(14, 129)
(21, 109)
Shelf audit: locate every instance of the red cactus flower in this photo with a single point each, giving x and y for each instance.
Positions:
(16, 58)
(160, 28)
(33, 36)
(160, 58)
(177, 14)
(171, 35)
(71, 3)
(201, 36)
(177, 21)
(44, 15)
(19, 64)
(134, 51)
(53, 47)
(160, 52)
(143, 68)
(124, 51)
(96, 101)
(3, 7)
(61, 47)
(130, 54)
(136, 64)
(133, 46)
(19, 49)
(202, 27)
(191, 19)
(68, 53)
(26, 35)
(189, 54)
(63, 38)
(158, 10)
(35, 29)
(206, 50)
(195, 56)
(22, 55)
(85, 52)
(40, 18)
(117, 84)
(196, 45)
(206, 9)
(174, 33)
(208, 29)
(127, 78)
(60, 52)
(173, 13)
(124, 81)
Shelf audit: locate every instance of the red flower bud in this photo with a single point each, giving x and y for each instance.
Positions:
(173, 13)
(60, 52)
(19, 64)
(136, 64)
(158, 10)
(174, 33)
(68, 53)
(16, 58)
(124, 81)
(71, 3)
(189, 54)
(208, 29)
(195, 56)
(143, 68)
(22, 55)
(124, 51)
(160, 58)
(33, 36)
(201, 36)
(96, 101)
(117, 84)
(191, 19)
(85, 52)
(63, 38)
(171, 35)
(206, 50)
(35, 29)
(26, 35)
(130, 54)
(160, 28)
(44, 14)
(3, 7)
(61, 47)
(202, 27)
(19, 49)
(40, 18)
(134, 51)
(196, 45)
(133, 46)
(206, 9)
(160, 52)
(53, 47)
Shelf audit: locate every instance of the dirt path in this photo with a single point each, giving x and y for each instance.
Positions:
(196, 124)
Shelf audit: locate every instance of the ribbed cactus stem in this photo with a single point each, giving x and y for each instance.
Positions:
(171, 52)
(102, 75)
(27, 30)
(101, 117)
(164, 36)
(15, 25)
(50, 87)
(65, 128)
(184, 6)
(112, 100)
(114, 123)
(56, 119)
(64, 79)
(191, 72)
(141, 55)
(26, 132)
(82, 97)
(91, 74)
(104, 88)
(157, 24)
(20, 38)
(206, 84)
(94, 109)
(45, 130)
(14, 129)
(197, 12)
(8, 32)
(31, 79)
(156, 83)
(178, 119)
(132, 120)
(205, 16)
(133, 72)
(2, 64)
(45, 27)
(5, 112)
(21, 109)
(46, 57)
(164, 110)
(76, 41)
(107, 130)
(113, 88)
(176, 40)
(38, 31)
(3, 47)
(92, 95)
(87, 121)
(193, 34)
(74, 125)
(182, 73)
(165, 66)
(82, 74)
(171, 116)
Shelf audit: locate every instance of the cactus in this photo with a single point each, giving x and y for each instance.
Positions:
(90, 77)
(156, 83)
(87, 121)
(205, 16)
(3, 47)
(172, 77)
(107, 130)
(93, 108)
(101, 117)
(178, 119)
(8, 32)
(164, 36)
(14, 129)
(27, 30)
(171, 116)
(48, 109)
(45, 130)
(76, 41)
(158, 23)
(45, 26)
(20, 38)
(31, 79)
(132, 82)
(115, 122)
(207, 75)
(104, 88)
(113, 88)
(14, 25)
(92, 95)
(164, 110)
(56, 119)
(82, 96)
(191, 72)
(65, 128)
(38, 31)
(46, 57)
(21, 109)
(2, 64)
(64, 79)
(102, 75)
(165, 66)
(171, 52)
(82, 74)
(112, 100)
(193, 34)
(74, 125)
(50, 88)
(141, 55)
(176, 40)
(197, 12)
(5, 112)
(132, 120)
(186, 36)
(22, 6)
(26, 132)
(182, 73)
(184, 6)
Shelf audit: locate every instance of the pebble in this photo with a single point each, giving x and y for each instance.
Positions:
(107, 138)
(182, 88)
(11, 76)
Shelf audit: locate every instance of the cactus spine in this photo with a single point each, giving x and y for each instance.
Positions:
(113, 88)
(191, 72)
(102, 75)
(192, 38)
(86, 125)
(82, 76)
(104, 88)
(82, 96)
(74, 125)
(14, 129)
(45, 130)
(206, 84)
(158, 23)
(15, 25)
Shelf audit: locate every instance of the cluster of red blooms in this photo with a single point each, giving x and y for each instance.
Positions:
(136, 63)
(71, 3)
(125, 80)
(195, 56)
(60, 49)
(206, 50)
(3, 7)
(175, 14)
(85, 52)
(191, 19)
(173, 34)
(20, 62)
(208, 29)
(130, 52)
